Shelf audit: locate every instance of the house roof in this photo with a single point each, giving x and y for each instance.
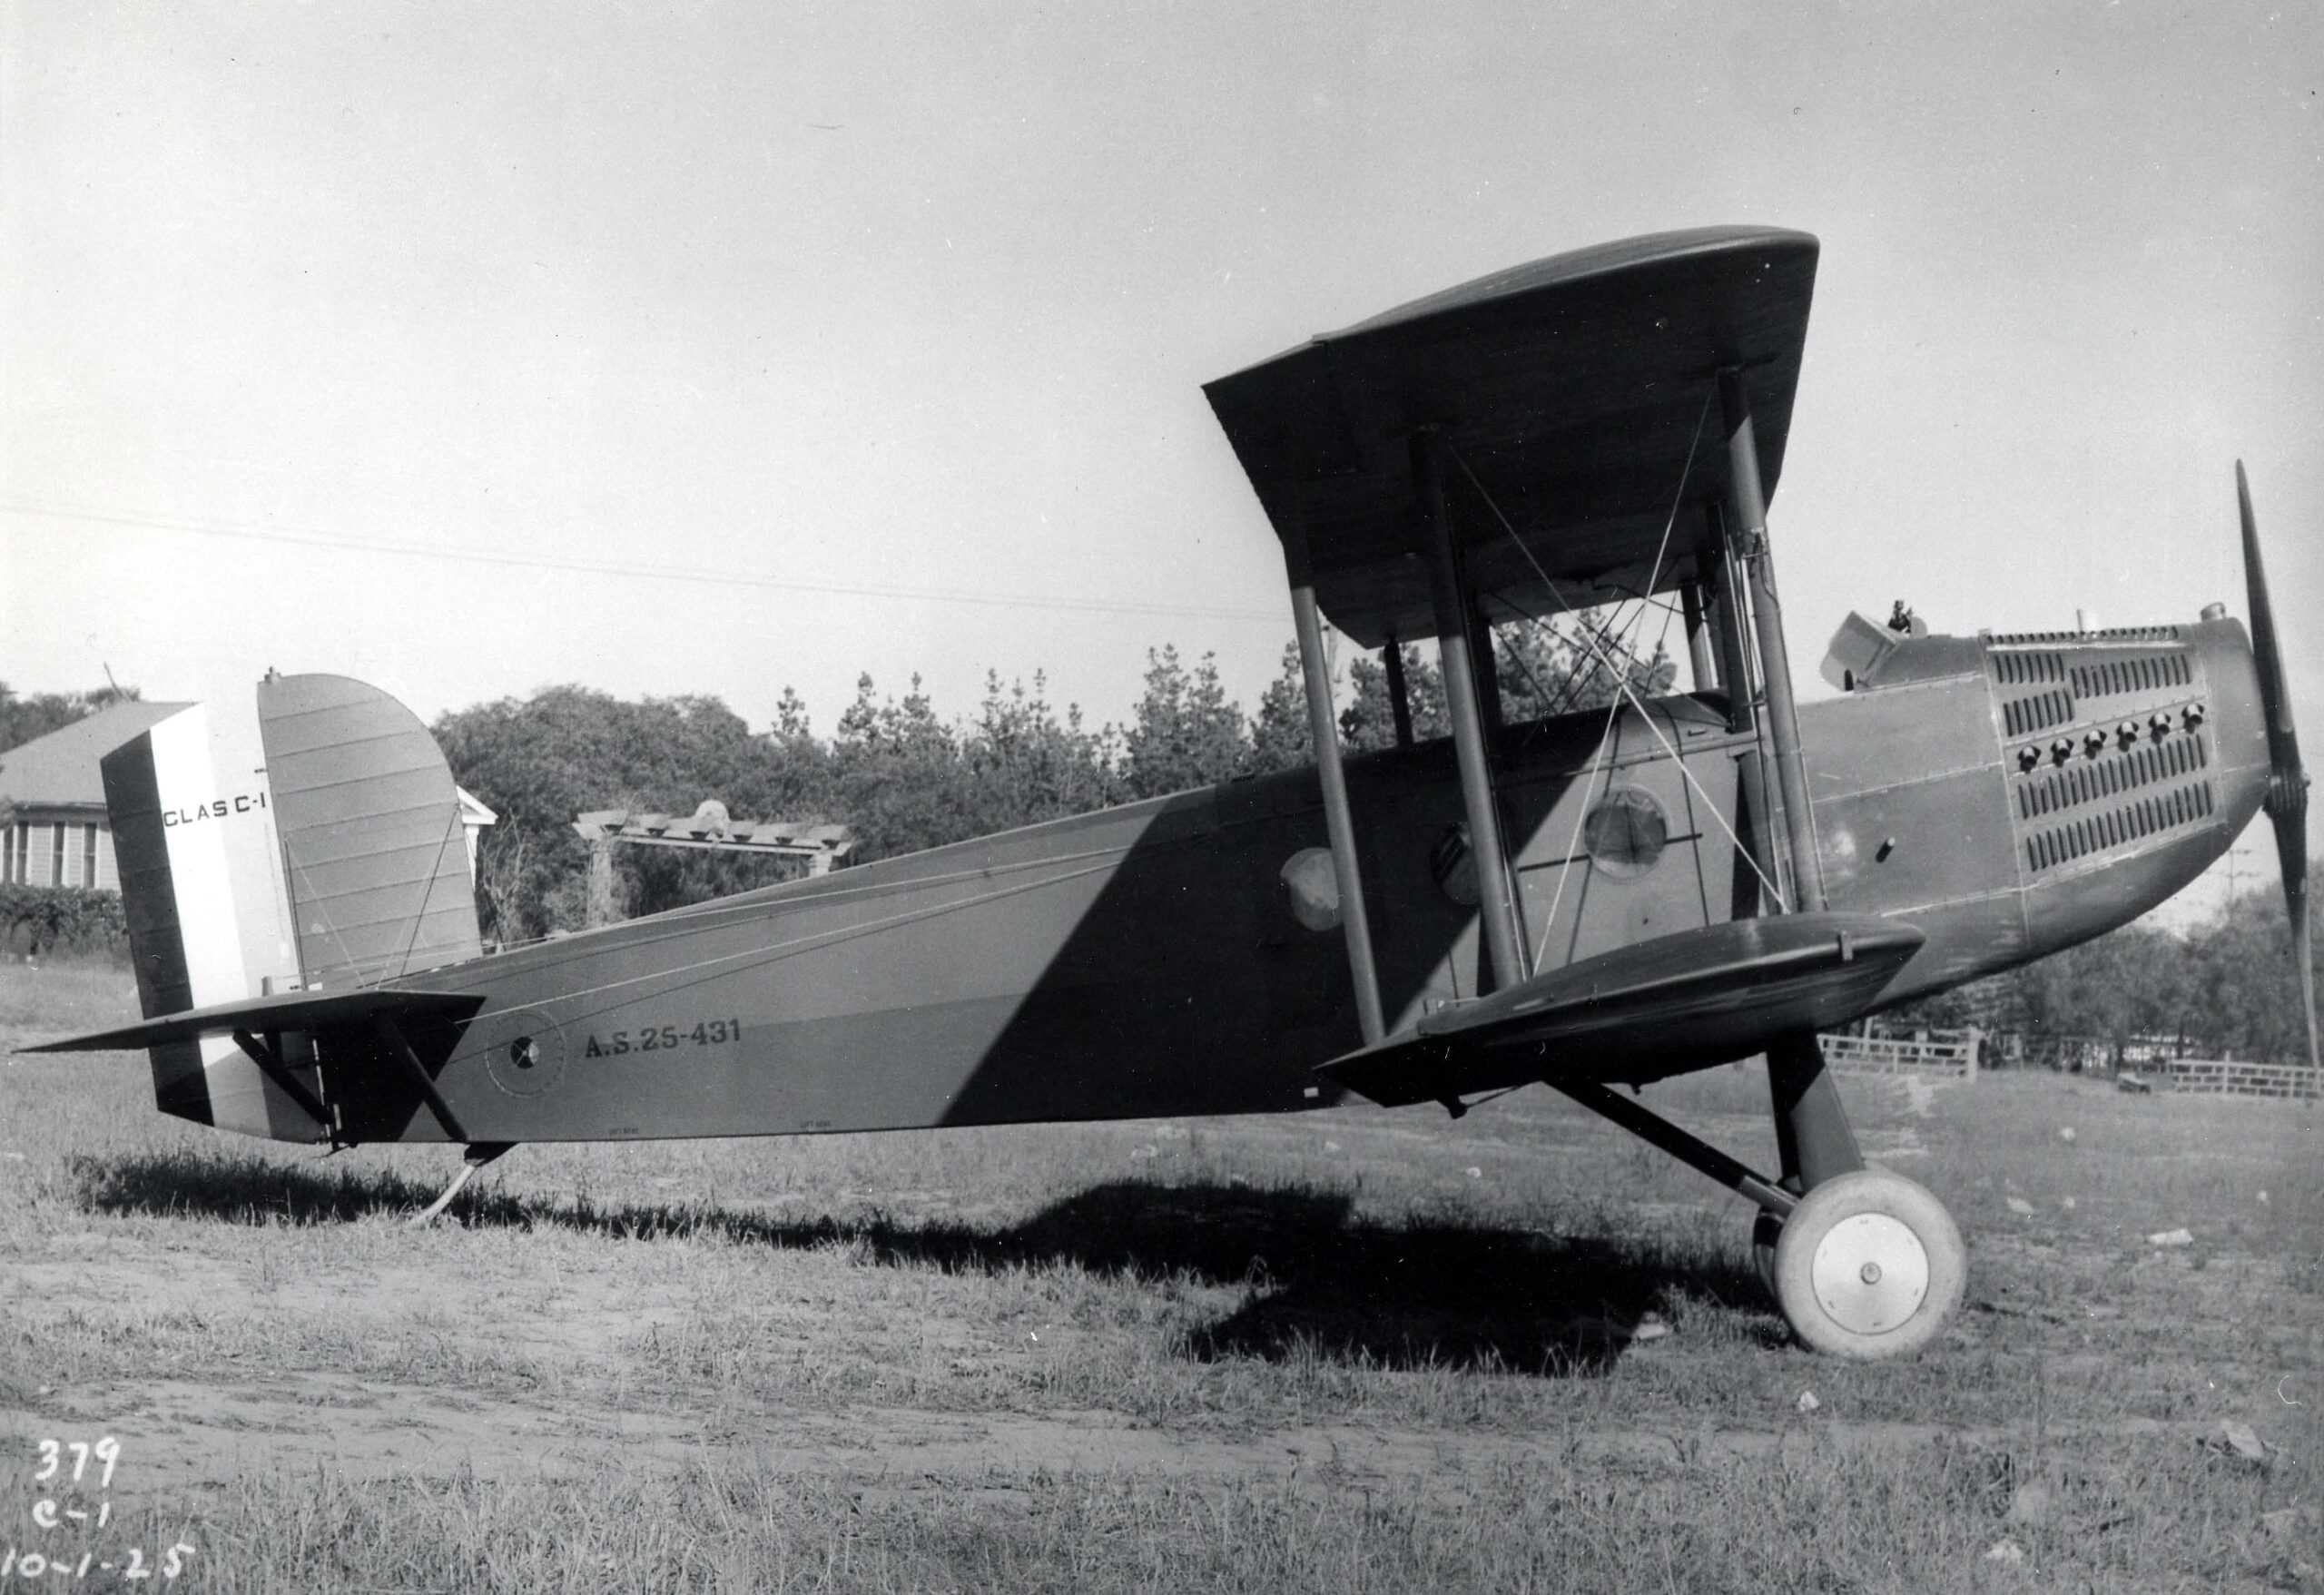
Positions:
(61, 768)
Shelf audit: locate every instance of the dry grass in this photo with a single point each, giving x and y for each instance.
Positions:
(1350, 1350)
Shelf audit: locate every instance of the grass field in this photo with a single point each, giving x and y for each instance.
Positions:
(1347, 1351)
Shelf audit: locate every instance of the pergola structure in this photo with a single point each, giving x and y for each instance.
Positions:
(824, 847)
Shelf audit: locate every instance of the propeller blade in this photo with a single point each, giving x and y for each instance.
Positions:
(2287, 782)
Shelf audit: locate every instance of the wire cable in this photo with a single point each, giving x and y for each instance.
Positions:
(1621, 679)
(298, 539)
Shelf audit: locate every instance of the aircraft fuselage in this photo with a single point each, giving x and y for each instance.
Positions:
(2007, 796)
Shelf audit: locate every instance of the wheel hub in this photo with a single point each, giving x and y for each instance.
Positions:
(1870, 1273)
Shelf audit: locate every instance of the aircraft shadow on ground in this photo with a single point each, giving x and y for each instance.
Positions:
(1325, 1282)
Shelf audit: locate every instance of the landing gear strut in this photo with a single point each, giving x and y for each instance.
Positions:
(1861, 1263)
(1868, 1264)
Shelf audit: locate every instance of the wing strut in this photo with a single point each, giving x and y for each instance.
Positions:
(264, 1052)
(1496, 905)
(1355, 922)
(1699, 659)
(1812, 1128)
(1399, 703)
(1748, 514)
(1727, 619)
(390, 1038)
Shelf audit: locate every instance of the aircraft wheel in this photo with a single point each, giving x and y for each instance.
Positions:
(1869, 1265)
(1766, 1230)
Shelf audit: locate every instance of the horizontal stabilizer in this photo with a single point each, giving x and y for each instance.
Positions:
(1643, 1011)
(310, 1011)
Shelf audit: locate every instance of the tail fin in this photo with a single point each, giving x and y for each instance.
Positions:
(372, 844)
(317, 844)
(202, 890)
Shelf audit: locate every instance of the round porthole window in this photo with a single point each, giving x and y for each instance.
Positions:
(1312, 885)
(1626, 832)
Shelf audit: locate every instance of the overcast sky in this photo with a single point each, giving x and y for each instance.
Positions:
(826, 311)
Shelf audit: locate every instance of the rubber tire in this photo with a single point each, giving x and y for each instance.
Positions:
(1767, 1229)
(1846, 1196)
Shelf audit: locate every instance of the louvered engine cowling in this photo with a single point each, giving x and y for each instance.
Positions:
(2107, 740)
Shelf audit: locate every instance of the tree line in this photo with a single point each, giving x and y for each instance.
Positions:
(2225, 989)
(903, 777)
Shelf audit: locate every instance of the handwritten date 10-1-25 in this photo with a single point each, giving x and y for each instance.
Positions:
(74, 1475)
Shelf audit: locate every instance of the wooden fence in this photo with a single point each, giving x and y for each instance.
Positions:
(2205, 1077)
(1950, 1054)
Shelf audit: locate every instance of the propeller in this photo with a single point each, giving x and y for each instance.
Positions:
(2287, 801)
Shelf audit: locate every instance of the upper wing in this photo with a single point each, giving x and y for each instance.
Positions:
(1642, 1011)
(1573, 387)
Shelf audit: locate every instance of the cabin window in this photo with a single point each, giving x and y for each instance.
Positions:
(56, 857)
(1626, 832)
(88, 855)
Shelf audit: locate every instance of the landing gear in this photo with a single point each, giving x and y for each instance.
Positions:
(1869, 1265)
(1767, 1229)
(1862, 1262)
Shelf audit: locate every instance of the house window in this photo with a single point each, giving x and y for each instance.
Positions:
(18, 854)
(56, 856)
(88, 855)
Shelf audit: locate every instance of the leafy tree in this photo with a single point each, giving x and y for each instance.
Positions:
(2131, 983)
(791, 719)
(1187, 733)
(48, 918)
(1369, 722)
(897, 779)
(1565, 666)
(1541, 670)
(2225, 989)
(24, 720)
(568, 749)
(2242, 985)
(1280, 739)
(1026, 765)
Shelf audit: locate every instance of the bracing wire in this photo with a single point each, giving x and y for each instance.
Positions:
(1541, 949)
(427, 893)
(1621, 677)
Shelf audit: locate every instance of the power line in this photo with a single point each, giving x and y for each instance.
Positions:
(299, 538)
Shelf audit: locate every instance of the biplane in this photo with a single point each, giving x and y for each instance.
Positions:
(1591, 901)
